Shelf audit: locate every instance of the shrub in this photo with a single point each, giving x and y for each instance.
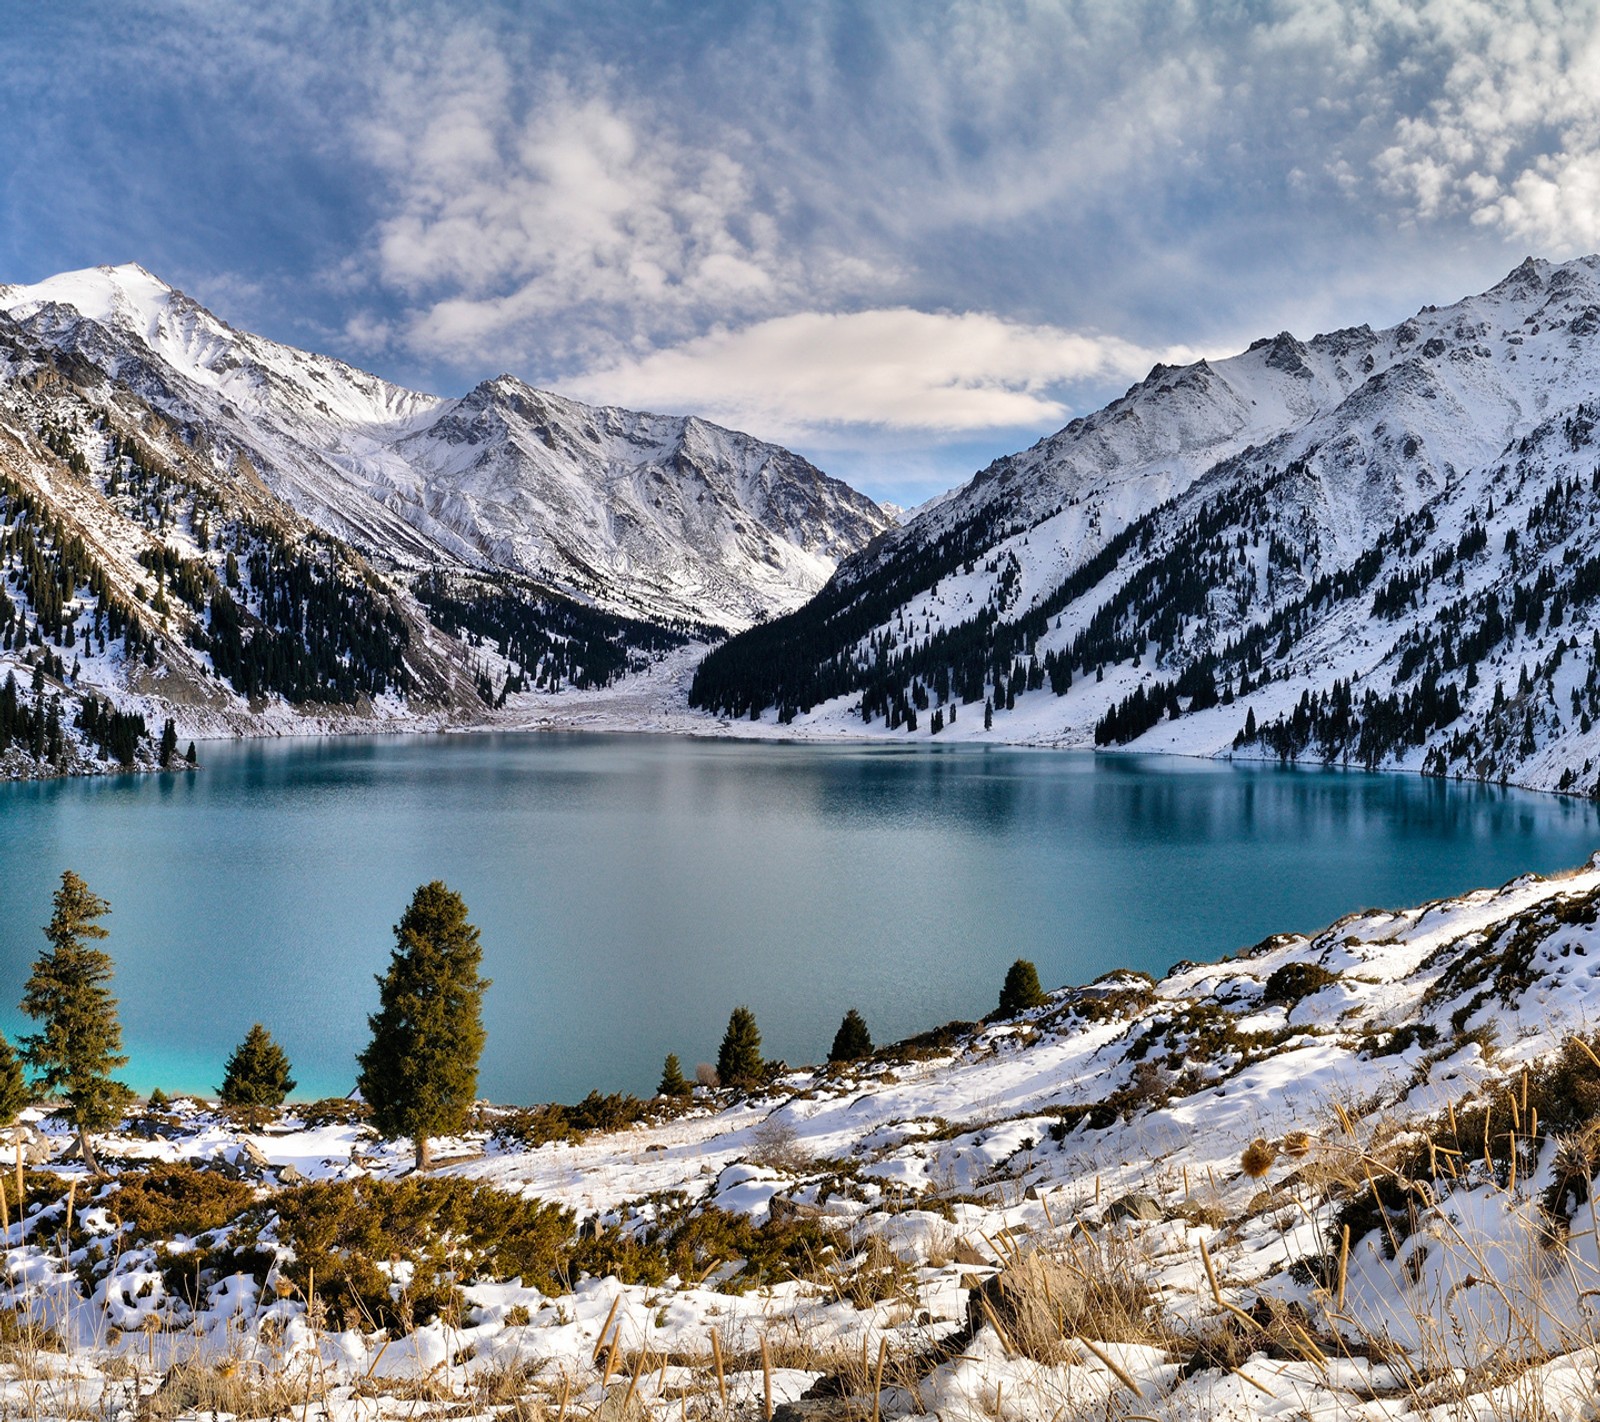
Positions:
(1294, 981)
(168, 1200)
(535, 1126)
(334, 1111)
(781, 1250)
(447, 1229)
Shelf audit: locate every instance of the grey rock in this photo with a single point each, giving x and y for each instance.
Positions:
(823, 1409)
(1134, 1207)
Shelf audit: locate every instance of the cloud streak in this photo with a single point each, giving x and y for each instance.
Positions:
(896, 369)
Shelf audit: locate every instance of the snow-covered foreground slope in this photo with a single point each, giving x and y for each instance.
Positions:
(1345, 1175)
(1377, 547)
(647, 515)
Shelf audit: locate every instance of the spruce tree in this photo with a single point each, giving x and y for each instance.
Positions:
(14, 1094)
(420, 1071)
(852, 1041)
(257, 1074)
(169, 743)
(672, 1081)
(1021, 989)
(81, 1041)
(739, 1057)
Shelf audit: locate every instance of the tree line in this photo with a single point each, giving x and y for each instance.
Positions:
(419, 1071)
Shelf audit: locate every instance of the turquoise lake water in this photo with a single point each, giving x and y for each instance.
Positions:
(632, 890)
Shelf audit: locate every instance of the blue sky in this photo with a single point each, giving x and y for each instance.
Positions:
(902, 238)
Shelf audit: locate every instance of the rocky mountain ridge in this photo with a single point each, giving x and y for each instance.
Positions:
(1373, 547)
(201, 525)
(645, 515)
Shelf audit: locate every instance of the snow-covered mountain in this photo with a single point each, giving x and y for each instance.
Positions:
(645, 515)
(201, 524)
(1373, 546)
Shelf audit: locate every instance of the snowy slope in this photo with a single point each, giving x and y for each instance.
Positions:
(1342, 1175)
(673, 517)
(648, 515)
(1252, 531)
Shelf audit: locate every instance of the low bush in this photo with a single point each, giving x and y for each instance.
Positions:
(1294, 981)
(170, 1200)
(333, 1111)
(535, 1126)
(347, 1236)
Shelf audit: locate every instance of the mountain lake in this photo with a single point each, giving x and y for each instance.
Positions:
(631, 890)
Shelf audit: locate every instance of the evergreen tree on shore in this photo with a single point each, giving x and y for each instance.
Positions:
(672, 1081)
(80, 1044)
(739, 1057)
(257, 1073)
(852, 1041)
(14, 1094)
(1021, 990)
(420, 1071)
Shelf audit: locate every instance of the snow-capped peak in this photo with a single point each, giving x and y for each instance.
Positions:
(656, 515)
(127, 295)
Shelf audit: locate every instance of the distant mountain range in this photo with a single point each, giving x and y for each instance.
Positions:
(290, 541)
(1375, 547)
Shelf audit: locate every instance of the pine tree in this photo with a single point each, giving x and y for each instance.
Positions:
(852, 1041)
(257, 1074)
(420, 1071)
(739, 1057)
(14, 1094)
(81, 1044)
(672, 1082)
(188, 755)
(1021, 990)
(169, 743)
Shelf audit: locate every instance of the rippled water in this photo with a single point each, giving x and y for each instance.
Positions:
(632, 890)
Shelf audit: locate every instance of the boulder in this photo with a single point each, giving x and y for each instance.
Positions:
(1135, 1207)
(35, 1145)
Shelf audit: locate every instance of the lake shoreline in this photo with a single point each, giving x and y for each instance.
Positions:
(801, 882)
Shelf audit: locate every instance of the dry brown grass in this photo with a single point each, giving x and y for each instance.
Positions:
(244, 1390)
(1094, 1286)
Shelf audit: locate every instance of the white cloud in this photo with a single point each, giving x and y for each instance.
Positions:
(1510, 137)
(508, 212)
(794, 375)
